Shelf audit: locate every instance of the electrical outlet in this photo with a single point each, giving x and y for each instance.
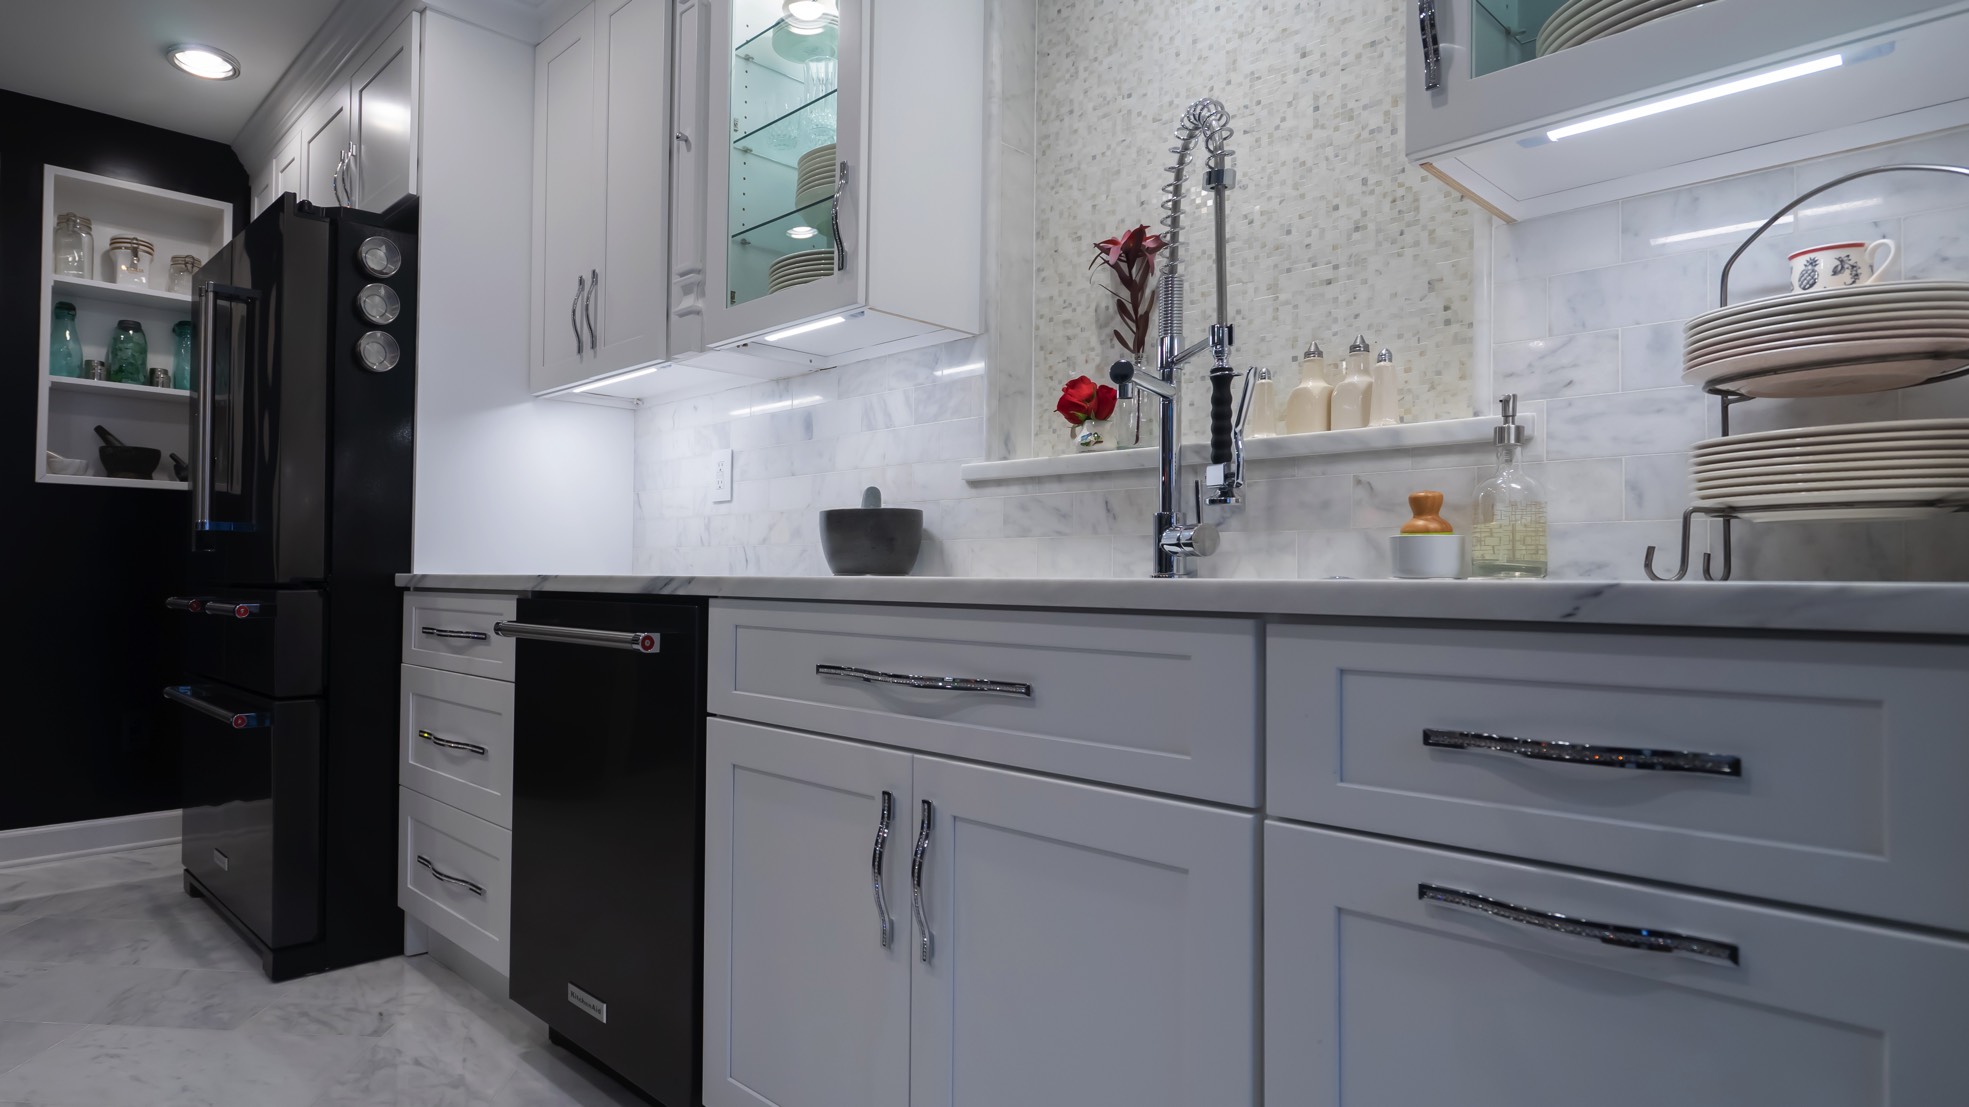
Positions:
(721, 477)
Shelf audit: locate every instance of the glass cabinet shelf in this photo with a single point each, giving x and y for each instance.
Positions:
(784, 139)
(784, 229)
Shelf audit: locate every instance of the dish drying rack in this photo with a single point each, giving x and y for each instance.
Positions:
(1730, 396)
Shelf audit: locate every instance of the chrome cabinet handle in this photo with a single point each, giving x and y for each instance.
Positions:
(684, 139)
(875, 865)
(467, 635)
(355, 171)
(642, 641)
(447, 878)
(1432, 45)
(588, 308)
(335, 181)
(948, 684)
(238, 720)
(574, 311)
(834, 219)
(451, 743)
(916, 877)
(1626, 937)
(1611, 757)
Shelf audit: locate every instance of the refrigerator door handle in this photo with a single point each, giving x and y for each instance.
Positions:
(238, 720)
(209, 295)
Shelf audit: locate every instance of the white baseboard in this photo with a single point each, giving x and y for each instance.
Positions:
(61, 841)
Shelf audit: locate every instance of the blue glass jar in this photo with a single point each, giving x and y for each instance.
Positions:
(129, 353)
(181, 355)
(64, 348)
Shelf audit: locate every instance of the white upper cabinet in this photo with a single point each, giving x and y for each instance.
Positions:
(287, 168)
(601, 95)
(843, 167)
(1635, 96)
(325, 148)
(383, 121)
(565, 193)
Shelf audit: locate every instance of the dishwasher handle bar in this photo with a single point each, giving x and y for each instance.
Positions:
(641, 641)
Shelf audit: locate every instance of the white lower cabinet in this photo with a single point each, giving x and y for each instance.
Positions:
(455, 875)
(1074, 944)
(1378, 993)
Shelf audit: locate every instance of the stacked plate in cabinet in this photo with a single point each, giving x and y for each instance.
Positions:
(1833, 342)
(1898, 470)
(1581, 21)
(799, 269)
(817, 172)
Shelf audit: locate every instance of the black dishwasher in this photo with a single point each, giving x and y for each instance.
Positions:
(608, 833)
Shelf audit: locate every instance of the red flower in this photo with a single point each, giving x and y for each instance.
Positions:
(1081, 399)
(1130, 257)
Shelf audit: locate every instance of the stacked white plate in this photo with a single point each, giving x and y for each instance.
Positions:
(1580, 21)
(1899, 470)
(799, 269)
(1833, 342)
(817, 171)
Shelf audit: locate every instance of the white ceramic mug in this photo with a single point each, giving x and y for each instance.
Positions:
(1840, 265)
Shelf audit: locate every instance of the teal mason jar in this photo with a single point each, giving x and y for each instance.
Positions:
(129, 353)
(64, 349)
(181, 355)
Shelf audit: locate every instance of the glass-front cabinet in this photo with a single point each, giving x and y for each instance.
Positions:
(1536, 106)
(819, 197)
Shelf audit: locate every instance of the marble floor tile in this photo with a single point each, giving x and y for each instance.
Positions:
(153, 898)
(21, 1041)
(183, 942)
(548, 1076)
(61, 992)
(141, 1066)
(191, 999)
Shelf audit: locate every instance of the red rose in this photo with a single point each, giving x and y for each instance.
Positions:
(1081, 399)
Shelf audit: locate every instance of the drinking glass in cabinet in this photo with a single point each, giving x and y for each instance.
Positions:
(129, 260)
(181, 355)
(129, 353)
(75, 246)
(785, 81)
(64, 349)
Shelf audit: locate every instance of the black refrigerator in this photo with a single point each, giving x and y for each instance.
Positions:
(302, 420)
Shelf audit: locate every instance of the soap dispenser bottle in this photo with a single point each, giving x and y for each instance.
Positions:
(1507, 541)
(1309, 407)
(1351, 395)
(1264, 406)
(1385, 401)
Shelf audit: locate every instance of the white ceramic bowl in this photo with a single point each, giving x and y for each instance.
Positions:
(1426, 556)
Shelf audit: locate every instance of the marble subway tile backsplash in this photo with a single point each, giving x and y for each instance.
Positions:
(1585, 322)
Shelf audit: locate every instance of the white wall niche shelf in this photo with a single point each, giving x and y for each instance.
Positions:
(70, 408)
(1404, 436)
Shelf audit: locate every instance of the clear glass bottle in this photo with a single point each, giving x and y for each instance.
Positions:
(75, 246)
(64, 348)
(129, 353)
(181, 355)
(1507, 541)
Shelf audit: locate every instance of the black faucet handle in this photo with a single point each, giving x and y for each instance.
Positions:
(1223, 422)
(1121, 372)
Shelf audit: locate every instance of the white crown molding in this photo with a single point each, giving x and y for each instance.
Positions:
(350, 30)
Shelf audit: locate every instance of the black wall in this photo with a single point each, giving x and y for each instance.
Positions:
(84, 733)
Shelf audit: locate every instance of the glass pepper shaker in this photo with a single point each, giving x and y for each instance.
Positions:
(129, 353)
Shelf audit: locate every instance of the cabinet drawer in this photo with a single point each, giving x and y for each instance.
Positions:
(449, 630)
(1364, 977)
(1165, 704)
(1844, 793)
(455, 874)
(456, 733)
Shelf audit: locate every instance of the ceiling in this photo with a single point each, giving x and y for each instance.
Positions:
(108, 56)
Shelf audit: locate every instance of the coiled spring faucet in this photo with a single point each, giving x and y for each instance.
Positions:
(1178, 539)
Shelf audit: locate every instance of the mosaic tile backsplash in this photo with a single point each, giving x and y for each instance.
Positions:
(1584, 321)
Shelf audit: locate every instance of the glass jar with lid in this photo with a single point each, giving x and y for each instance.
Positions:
(129, 260)
(75, 246)
(181, 355)
(129, 353)
(184, 267)
(64, 348)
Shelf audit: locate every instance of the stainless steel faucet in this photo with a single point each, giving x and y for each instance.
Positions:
(1178, 540)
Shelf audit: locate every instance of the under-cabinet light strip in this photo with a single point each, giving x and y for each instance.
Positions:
(1699, 96)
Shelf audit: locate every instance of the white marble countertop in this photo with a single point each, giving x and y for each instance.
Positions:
(1866, 608)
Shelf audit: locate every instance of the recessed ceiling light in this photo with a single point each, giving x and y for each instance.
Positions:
(208, 62)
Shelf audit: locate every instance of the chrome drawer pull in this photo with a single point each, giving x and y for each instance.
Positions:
(1611, 757)
(642, 641)
(238, 720)
(1626, 937)
(447, 878)
(1432, 45)
(881, 845)
(948, 684)
(227, 609)
(466, 635)
(916, 877)
(451, 743)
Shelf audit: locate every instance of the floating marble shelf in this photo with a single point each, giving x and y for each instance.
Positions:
(1404, 436)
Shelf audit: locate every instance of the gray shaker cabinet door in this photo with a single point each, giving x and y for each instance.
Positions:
(1375, 995)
